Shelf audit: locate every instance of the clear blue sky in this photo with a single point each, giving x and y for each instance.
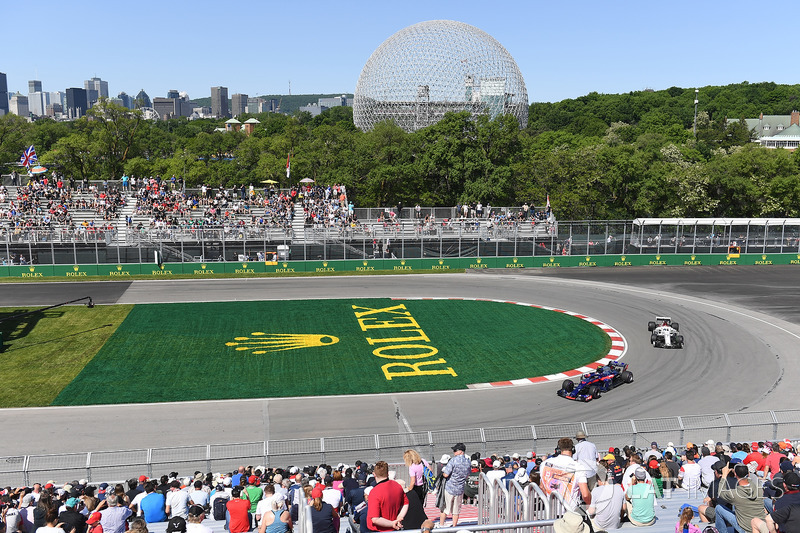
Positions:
(564, 49)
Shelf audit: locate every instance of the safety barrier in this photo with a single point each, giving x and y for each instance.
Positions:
(516, 504)
(254, 268)
(538, 438)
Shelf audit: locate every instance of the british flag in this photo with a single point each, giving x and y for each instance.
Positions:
(28, 157)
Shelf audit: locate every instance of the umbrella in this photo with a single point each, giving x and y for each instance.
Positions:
(306, 180)
(270, 182)
(38, 170)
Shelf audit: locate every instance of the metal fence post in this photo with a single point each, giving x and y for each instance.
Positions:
(728, 423)
(533, 432)
(377, 448)
(774, 426)
(483, 443)
(322, 448)
(89, 465)
(150, 463)
(25, 476)
(431, 446)
(633, 429)
(208, 455)
(265, 452)
(683, 430)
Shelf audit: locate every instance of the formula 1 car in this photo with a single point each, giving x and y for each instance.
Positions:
(592, 384)
(664, 333)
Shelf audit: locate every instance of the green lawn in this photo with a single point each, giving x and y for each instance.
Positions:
(45, 351)
(172, 352)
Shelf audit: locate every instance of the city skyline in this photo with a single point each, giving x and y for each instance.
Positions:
(563, 51)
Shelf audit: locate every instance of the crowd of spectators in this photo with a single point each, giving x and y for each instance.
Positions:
(747, 487)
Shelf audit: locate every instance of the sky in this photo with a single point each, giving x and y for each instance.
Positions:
(563, 49)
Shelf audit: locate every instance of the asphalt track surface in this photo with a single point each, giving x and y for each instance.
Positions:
(741, 324)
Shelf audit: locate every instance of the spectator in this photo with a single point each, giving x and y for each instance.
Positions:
(416, 472)
(640, 500)
(138, 525)
(10, 514)
(607, 500)
(276, 519)
(72, 519)
(747, 499)
(566, 467)
(388, 503)
(321, 513)
(51, 522)
(455, 472)
(684, 524)
(153, 505)
(652, 453)
(93, 524)
(177, 501)
(690, 474)
(497, 472)
(706, 473)
(253, 492)
(711, 501)
(783, 516)
(238, 512)
(194, 524)
(773, 462)
(114, 516)
(671, 480)
(586, 454)
(176, 524)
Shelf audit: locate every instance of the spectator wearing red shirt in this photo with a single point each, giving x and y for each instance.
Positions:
(772, 463)
(758, 457)
(239, 511)
(388, 503)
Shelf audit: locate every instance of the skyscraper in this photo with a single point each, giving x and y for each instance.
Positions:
(238, 104)
(142, 100)
(219, 102)
(34, 86)
(95, 89)
(76, 102)
(127, 101)
(3, 94)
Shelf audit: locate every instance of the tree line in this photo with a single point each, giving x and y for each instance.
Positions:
(616, 156)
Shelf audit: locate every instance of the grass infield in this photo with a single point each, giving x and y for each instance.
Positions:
(173, 352)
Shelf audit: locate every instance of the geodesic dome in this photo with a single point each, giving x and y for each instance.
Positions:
(427, 69)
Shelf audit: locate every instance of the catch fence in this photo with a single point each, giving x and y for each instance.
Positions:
(539, 438)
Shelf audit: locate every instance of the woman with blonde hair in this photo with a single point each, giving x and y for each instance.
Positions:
(416, 472)
(684, 524)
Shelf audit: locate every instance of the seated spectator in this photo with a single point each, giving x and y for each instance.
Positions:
(194, 524)
(690, 474)
(747, 499)
(784, 513)
(684, 524)
(711, 501)
(153, 504)
(640, 500)
(607, 499)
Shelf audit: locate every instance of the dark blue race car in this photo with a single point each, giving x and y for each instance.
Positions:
(592, 384)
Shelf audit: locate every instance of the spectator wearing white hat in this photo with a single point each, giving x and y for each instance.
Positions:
(586, 455)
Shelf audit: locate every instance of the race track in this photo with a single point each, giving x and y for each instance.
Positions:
(741, 325)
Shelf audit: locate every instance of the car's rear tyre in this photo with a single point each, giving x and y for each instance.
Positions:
(627, 376)
(568, 385)
(651, 326)
(676, 326)
(594, 391)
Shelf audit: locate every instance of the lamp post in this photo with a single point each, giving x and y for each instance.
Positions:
(694, 127)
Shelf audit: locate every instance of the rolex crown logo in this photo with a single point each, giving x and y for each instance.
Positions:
(764, 257)
(119, 267)
(479, 260)
(441, 261)
(622, 258)
(588, 258)
(364, 263)
(31, 268)
(515, 260)
(693, 257)
(552, 259)
(403, 262)
(260, 343)
(244, 265)
(203, 266)
(324, 263)
(285, 265)
(658, 258)
(76, 268)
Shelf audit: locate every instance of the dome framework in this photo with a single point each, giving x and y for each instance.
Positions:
(427, 69)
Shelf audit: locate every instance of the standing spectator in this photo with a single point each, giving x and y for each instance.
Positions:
(747, 499)
(564, 466)
(416, 472)
(177, 501)
(456, 472)
(114, 517)
(586, 454)
(388, 503)
(239, 512)
(253, 491)
(10, 515)
(641, 500)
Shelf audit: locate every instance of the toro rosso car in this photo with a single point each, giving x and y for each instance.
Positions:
(664, 333)
(592, 384)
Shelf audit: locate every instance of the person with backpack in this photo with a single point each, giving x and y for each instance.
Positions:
(418, 478)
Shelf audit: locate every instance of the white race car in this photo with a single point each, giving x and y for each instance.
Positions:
(664, 333)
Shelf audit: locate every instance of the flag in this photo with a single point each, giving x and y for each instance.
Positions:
(548, 201)
(28, 157)
(288, 165)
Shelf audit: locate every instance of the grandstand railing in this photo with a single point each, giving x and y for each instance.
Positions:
(539, 438)
(403, 239)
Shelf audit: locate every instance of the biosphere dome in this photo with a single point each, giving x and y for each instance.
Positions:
(427, 69)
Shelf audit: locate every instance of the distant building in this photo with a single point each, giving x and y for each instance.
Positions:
(142, 100)
(776, 131)
(76, 102)
(232, 125)
(34, 86)
(54, 110)
(250, 125)
(58, 97)
(167, 107)
(38, 102)
(219, 102)
(336, 101)
(95, 89)
(172, 93)
(19, 105)
(126, 100)
(238, 104)
(3, 94)
(313, 108)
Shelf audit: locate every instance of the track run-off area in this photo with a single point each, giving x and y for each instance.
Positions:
(741, 325)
